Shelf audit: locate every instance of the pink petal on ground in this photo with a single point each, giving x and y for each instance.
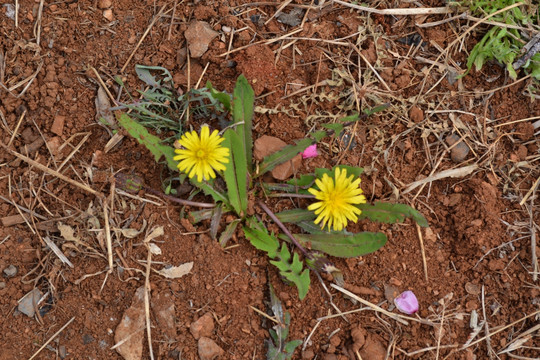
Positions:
(406, 302)
(310, 152)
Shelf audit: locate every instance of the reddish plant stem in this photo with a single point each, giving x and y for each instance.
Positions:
(285, 230)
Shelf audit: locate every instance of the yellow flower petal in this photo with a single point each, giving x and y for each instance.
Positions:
(337, 197)
(201, 154)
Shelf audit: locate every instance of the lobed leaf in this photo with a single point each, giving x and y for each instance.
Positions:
(151, 142)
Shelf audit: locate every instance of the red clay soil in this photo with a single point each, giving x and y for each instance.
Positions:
(477, 249)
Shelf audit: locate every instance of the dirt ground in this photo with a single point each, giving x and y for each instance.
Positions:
(478, 289)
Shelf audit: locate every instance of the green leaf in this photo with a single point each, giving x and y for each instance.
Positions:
(303, 181)
(295, 215)
(278, 348)
(391, 213)
(292, 270)
(262, 241)
(242, 107)
(208, 189)
(222, 97)
(336, 127)
(151, 142)
(143, 72)
(290, 267)
(343, 245)
(283, 155)
(227, 234)
(236, 172)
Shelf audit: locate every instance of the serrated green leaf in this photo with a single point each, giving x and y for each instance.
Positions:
(290, 267)
(262, 241)
(292, 270)
(242, 108)
(391, 213)
(151, 142)
(342, 245)
(208, 189)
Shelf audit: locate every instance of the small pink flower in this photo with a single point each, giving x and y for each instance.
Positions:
(406, 302)
(310, 152)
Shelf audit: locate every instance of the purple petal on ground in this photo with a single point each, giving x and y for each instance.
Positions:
(406, 302)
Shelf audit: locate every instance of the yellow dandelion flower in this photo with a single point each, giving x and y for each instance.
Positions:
(201, 155)
(337, 196)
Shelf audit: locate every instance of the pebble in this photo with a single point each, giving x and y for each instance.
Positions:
(28, 303)
(163, 307)
(132, 320)
(58, 125)
(458, 152)
(203, 327)
(2, 285)
(198, 35)
(226, 29)
(104, 4)
(416, 114)
(10, 271)
(62, 352)
(87, 339)
(208, 349)
(267, 145)
(472, 289)
(108, 14)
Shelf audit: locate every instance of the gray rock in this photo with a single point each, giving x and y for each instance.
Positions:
(10, 271)
(198, 35)
(28, 303)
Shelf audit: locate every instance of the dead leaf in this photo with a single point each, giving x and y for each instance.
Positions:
(154, 249)
(131, 233)
(176, 272)
(103, 112)
(157, 231)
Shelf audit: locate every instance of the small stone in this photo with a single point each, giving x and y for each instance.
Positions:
(28, 303)
(163, 307)
(308, 354)
(62, 352)
(208, 349)
(226, 29)
(203, 327)
(373, 349)
(2, 285)
(267, 145)
(472, 289)
(58, 125)
(390, 292)
(104, 4)
(10, 271)
(87, 339)
(416, 114)
(198, 35)
(460, 151)
(108, 14)
(129, 328)
(54, 144)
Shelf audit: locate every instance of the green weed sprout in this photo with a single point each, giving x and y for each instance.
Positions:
(504, 44)
(337, 198)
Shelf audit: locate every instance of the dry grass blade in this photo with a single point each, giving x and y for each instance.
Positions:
(52, 338)
(399, 318)
(51, 171)
(57, 251)
(459, 172)
(398, 12)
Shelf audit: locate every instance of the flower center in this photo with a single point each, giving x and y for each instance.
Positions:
(201, 154)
